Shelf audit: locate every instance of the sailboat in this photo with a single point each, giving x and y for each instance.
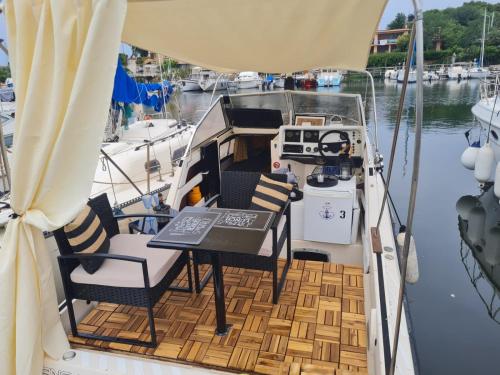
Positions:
(479, 71)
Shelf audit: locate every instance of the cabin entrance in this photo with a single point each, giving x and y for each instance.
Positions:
(251, 153)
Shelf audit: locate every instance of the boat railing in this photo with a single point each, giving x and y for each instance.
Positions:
(490, 87)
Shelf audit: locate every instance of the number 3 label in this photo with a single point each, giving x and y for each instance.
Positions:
(342, 214)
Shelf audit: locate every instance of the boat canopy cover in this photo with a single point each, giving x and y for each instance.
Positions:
(272, 36)
(127, 90)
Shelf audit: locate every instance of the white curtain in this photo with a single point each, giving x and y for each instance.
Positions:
(63, 56)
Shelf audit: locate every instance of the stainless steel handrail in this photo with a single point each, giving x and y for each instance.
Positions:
(419, 38)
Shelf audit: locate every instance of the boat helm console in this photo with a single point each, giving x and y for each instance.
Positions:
(321, 145)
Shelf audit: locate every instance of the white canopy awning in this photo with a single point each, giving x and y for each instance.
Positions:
(257, 35)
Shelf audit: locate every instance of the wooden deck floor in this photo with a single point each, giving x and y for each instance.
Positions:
(318, 327)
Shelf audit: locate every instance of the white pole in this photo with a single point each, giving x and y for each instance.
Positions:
(482, 39)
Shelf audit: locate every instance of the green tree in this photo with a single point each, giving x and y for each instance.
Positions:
(493, 38)
(402, 42)
(123, 58)
(398, 22)
(4, 73)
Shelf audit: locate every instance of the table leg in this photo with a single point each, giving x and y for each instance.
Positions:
(220, 307)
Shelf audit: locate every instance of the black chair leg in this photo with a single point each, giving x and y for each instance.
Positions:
(275, 281)
(152, 328)
(71, 316)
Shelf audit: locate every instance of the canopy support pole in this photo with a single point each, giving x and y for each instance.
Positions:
(416, 168)
(399, 114)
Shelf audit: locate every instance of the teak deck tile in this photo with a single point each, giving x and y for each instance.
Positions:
(317, 327)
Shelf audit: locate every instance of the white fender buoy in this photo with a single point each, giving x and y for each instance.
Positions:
(469, 156)
(496, 187)
(465, 204)
(492, 247)
(412, 273)
(477, 219)
(485, 160)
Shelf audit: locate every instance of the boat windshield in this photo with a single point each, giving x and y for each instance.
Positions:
(345, 106)
(275, 100)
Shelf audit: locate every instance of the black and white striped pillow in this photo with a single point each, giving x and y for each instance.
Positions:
(86, 235)
(270, 195)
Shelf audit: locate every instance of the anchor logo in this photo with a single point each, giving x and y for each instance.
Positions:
(327, 212)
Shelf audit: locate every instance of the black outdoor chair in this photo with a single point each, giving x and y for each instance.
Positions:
(237, 189)
(119, 280)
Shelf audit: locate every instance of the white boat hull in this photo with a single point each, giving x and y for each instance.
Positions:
(412, 76)
(478, 73)
(190, 85)
(482, 111)
(250, 84)
(209, 85)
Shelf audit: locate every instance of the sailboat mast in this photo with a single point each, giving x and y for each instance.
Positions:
(482, 40)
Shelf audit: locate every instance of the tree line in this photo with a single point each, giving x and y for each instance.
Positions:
(458, 29)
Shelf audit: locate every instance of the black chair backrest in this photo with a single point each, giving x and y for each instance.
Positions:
(102, 208)
(237, 187)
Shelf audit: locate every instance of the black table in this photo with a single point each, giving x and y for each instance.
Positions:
(236, 231)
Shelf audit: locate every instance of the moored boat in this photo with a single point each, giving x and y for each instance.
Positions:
(339, 299)
(203, 80)
(248, 80)
(483, 155)
(412, 76)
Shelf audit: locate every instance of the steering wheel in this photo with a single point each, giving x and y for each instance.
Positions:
(334, 147)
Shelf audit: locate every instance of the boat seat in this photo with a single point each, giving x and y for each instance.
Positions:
(129, 274)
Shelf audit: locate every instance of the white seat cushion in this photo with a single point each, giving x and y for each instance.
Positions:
(267, 247)
(126, 274)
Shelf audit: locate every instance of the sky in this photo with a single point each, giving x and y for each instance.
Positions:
(393, 7)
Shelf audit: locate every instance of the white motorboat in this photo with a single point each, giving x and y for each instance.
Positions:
(336, 78)
(412, 76)
(203, 80)
(430, 76)
(248, 80)
(279, 82)
(458, 71)
(323, 77)
(328, 77)
(442, 72)
(478, 72)
(486, 109)
(393, 75)
(388, 73)
(483, 155)
(342, 297)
